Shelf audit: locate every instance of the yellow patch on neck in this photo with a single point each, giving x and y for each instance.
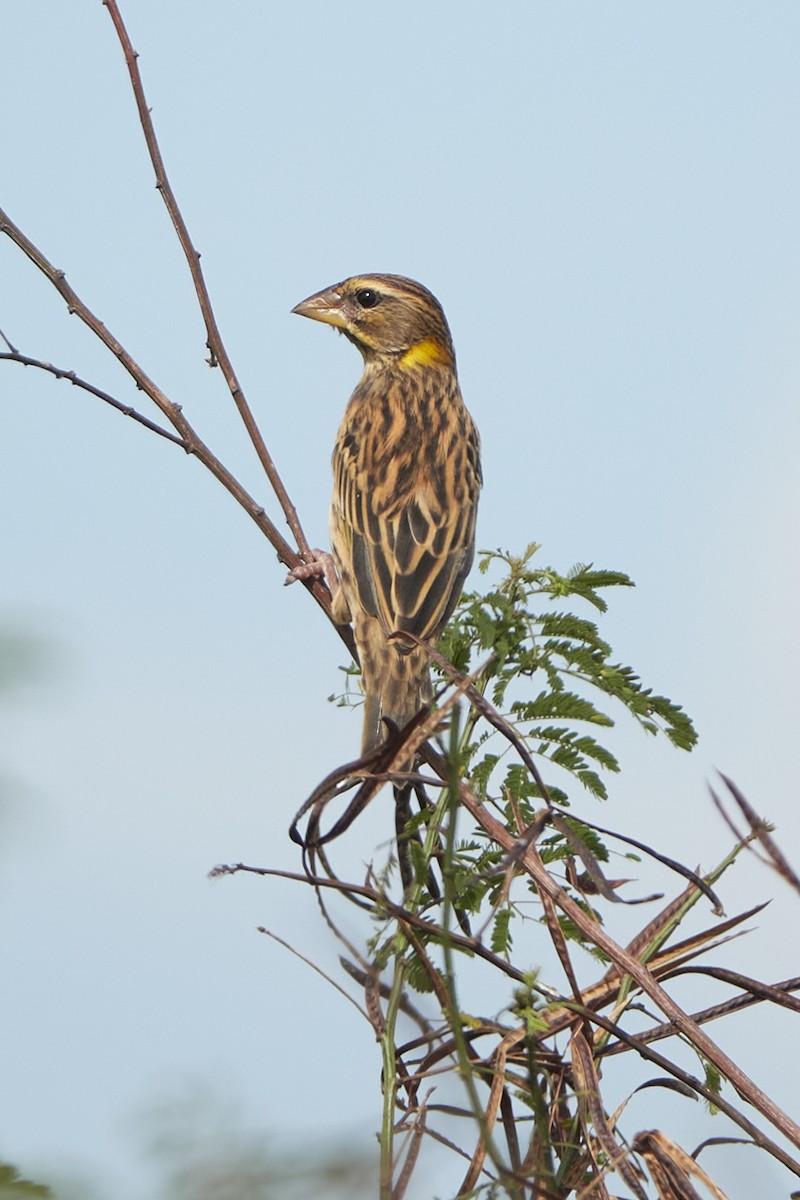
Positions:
(425, 354)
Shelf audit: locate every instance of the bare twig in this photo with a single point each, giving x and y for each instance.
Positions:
(412, 1153)
(470, 945)
(125, 409)
(292, 950)
(587, 1089)
(697, 1085)
(12, 348)
(745, 1086)
(190, 440)
(708, 1014)
(476, 1165)
(214, 342)
(671, 863)
(759, 830)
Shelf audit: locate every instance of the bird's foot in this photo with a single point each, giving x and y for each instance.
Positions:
(321, 566)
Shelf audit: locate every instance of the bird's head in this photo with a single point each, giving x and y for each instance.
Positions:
(390, 318)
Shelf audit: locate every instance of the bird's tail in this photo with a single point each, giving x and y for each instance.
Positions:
(396, 685)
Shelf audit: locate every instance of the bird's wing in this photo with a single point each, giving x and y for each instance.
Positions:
(407, 547)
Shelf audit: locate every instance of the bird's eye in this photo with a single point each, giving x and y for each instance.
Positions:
(367, 297)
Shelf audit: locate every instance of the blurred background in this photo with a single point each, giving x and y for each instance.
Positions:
(605, 200)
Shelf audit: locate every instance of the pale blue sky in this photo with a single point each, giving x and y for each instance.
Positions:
(605, 198)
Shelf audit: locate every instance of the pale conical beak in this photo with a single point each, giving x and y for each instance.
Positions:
(325, 306)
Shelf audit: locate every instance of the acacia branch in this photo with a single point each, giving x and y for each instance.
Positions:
(636, 1042)
(779, 992)
(746, 1087)
(84, 385)
(523, 852)
(216, 347)
(173, 412)
(189, 438)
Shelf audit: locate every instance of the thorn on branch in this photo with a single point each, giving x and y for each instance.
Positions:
(126, 409)
(13, 349)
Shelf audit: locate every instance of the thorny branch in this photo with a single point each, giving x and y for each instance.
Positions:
(638, 972)
(512, 1041)
(125, 409)
(216, 346)
(643, 966)
(187, 437)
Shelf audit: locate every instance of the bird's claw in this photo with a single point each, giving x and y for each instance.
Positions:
(321, 566)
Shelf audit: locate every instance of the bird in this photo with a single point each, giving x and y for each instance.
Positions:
(406, 480)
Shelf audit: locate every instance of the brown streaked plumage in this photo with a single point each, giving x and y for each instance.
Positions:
(406, 472)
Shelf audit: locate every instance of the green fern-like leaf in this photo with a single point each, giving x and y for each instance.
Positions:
(576, 681)
(563, 705)
(417, 976)
(501, 940)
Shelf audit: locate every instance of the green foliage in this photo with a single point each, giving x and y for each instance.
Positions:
(527, 1006)
(417, 977)
(556, 846)
(569, 664)
(713, 1081)
(501, 934)
(553, 679)
(14, 1187)
(489, 850)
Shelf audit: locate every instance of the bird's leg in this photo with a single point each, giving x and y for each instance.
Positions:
(321, 566)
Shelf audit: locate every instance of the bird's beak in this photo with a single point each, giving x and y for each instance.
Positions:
(323, 306)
